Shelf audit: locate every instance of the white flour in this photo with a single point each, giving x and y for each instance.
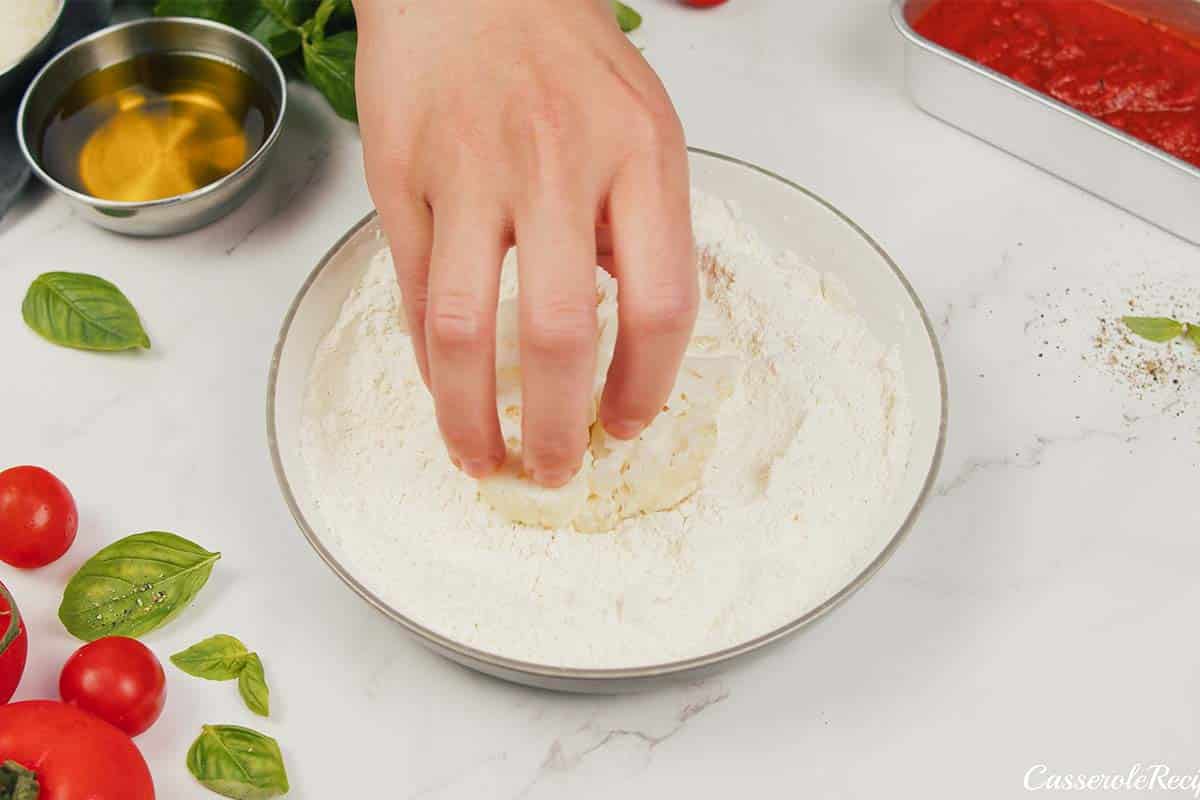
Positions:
(810, 449)
(23, 23)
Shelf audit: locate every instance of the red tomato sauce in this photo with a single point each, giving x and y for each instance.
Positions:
(1134, 74)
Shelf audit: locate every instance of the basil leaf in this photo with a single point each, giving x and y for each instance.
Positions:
(627, 18)
(217, 658)
(1193, 333)
(17, 782)
(290, 12)
(279, 37)
(219, 10)
(238, 762)
(134, 585)
(279, 9)
(1156, 329)
(82, 311)
(329, 64)
(321, 19)
(252, 686)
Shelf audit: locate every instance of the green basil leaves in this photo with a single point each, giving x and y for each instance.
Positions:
(134, 585)
(627, 18)
(223, 658)
(1156, 329)
(1163, 329)
(238, 762)
(329, 65)
(217, 658)
(82, 311)
(252, 686)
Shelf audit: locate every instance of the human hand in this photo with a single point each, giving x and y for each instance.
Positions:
(488, 123)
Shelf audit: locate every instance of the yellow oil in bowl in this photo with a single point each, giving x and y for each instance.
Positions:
(156, 126)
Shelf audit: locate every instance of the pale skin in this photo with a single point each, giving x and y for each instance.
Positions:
(488, 123)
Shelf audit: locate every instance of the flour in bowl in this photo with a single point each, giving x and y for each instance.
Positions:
(792, 499)
(23, 23)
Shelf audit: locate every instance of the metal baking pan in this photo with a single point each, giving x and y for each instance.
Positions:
(1096, 157)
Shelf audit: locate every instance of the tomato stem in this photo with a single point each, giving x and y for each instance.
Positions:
(14, 622)
(17, 782)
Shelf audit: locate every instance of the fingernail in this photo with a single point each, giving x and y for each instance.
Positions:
(624, 428)
(479, 467)
(552, 478)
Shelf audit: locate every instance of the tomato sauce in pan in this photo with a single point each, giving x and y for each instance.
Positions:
(1134, 74)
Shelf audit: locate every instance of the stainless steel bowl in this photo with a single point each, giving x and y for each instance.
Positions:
(14, 74)
(120, 43)
(788, 217)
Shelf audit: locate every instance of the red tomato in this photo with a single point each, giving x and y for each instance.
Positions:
(75, 756)
(118, 679)
(703, 3)
(38, 519)
(14, 645)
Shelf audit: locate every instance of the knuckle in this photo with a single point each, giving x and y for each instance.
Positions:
(658, 126)
(555, 450)
(547, 117)
(543, 124)
(669, 310)
(561, 330)
(456, 321)
(462, 440)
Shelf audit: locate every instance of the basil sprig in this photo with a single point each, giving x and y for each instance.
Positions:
(329, 65)
(82, 311)
(238, 762)
(223, 658)
(315, 39)
(1162, 329)
(217, 658)
(134, 585)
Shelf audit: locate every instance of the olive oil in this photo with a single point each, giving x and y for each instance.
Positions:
(158, 125)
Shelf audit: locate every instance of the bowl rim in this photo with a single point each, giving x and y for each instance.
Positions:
(209, 188)
(13, 66)
(473, 656)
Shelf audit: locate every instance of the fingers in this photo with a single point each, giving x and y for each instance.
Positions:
(408, 223)
(604, 246)
(460, 332)
(556, 242)
(655, 264)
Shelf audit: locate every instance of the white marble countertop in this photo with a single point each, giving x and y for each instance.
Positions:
(1042, 611)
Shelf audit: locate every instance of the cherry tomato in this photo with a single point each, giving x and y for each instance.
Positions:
(73, 755)
(14, 645)
(38, 518)
(118, 679)
(703, 3)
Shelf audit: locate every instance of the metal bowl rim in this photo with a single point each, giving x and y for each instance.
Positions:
(247, 166)
(7, 69)
(910, 33)
(471, 655)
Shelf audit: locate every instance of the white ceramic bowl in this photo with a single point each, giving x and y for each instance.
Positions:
(787, 217)
(15, 74)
